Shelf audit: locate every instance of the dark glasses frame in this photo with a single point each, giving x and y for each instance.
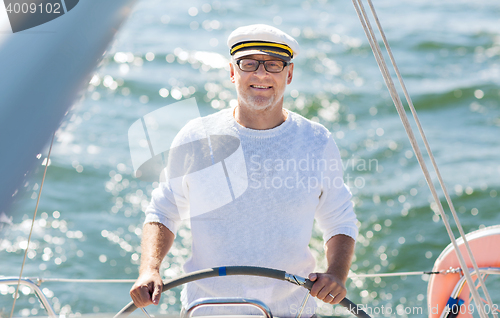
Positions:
(285, 64)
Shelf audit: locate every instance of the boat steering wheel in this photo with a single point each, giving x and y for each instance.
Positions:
(248, 271)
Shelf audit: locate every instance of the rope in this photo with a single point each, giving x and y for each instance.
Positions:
(354, 275)
(82, 280)
(31, 229)
(126, 280)
(399, 107)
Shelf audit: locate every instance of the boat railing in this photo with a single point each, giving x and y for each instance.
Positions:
(230, 301)
(39, 293)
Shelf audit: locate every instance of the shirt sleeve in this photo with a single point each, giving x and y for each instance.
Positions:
(169, 203)
(164, 207)
(334, 213)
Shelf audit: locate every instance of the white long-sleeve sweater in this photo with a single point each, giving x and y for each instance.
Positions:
(251, 197)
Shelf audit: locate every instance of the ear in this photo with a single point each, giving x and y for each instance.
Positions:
(289, 74)
(231, 72)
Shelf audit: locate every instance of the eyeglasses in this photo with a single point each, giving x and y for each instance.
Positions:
(271, 66)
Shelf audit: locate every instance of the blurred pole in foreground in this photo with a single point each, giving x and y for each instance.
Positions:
(43, 69)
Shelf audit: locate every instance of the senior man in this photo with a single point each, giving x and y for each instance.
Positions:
(294, 175)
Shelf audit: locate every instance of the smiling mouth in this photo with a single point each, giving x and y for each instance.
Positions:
(260, 86)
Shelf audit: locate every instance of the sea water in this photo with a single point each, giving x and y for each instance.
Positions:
(91, 209)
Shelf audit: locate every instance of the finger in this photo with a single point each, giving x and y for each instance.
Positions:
(135, 295)
(335, 296)
(144, 296)
(156, 294)
(330, 299)
(318, 285)
(318, 290)
(132, 295)
(323, 294)
(339, 297)
(137, 300)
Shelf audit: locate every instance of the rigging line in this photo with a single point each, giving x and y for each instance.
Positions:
(40, 280)
(431, 156)
(32, 225)
(126, 280)
(83, 280)
(397, 102)
(354, 275)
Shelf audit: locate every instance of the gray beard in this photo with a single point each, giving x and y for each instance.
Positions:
(258, 103)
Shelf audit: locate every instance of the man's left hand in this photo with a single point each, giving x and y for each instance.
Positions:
(327, 287)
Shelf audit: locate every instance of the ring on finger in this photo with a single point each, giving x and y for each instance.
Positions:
(333, 297)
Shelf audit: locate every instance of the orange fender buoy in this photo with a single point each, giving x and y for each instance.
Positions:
(484, 246)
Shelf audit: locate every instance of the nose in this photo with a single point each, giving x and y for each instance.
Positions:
(261, 71)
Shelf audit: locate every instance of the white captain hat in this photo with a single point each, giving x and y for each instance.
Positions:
(262, 39)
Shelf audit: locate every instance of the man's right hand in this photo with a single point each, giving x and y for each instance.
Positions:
(156, 241)
(147, 289)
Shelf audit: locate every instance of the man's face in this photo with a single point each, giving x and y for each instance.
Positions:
(260, 90)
